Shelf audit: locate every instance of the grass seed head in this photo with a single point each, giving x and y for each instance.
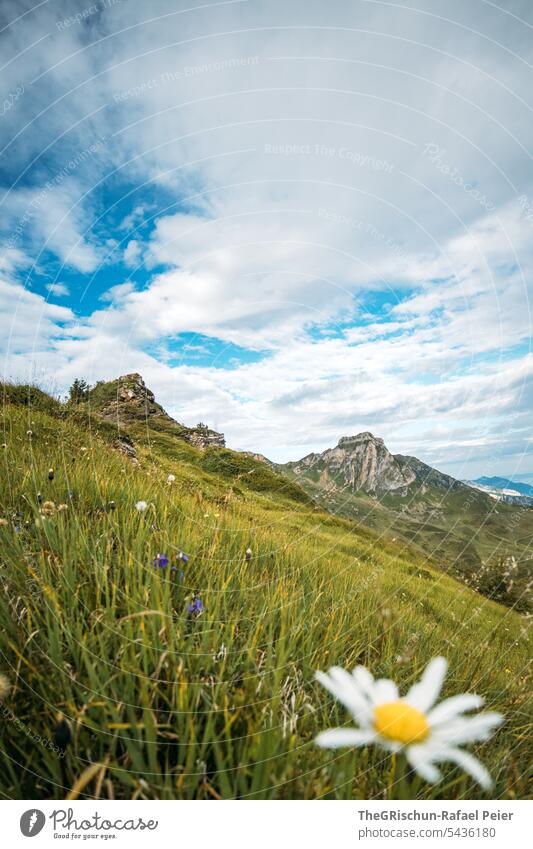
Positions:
(5, 688)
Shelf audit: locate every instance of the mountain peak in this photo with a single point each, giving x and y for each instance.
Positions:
(365, 436)
(360, 462)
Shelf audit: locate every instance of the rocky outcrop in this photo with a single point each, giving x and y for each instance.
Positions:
(360, 462)
(128, 400)
(259, 457)
(125, 400)
(206, 438)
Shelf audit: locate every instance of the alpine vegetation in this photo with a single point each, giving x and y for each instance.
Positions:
(167, 636)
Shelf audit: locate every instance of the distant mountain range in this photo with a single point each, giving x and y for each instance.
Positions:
(505, 489)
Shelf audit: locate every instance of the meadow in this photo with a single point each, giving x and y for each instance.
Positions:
(142, 699)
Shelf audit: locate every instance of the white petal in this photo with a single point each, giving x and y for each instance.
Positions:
(420, 759)
(344, 678)
(452, 707)
(389, 745)
(424, 694)
(335, 738)
(364, 680)
(342, 685)
(385, 690)
(467, 729)
(469, 763)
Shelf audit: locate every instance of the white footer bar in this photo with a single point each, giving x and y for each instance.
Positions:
(268, 824)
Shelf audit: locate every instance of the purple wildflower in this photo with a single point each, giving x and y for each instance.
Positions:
(182, 556)
(161, 561)
(195, 607)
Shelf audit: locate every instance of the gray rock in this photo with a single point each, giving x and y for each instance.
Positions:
(360, 462)
(206, 439)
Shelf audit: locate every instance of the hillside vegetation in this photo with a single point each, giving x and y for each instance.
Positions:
(486, 543)
(146, 701)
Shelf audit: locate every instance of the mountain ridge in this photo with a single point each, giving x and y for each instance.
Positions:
(459, 529)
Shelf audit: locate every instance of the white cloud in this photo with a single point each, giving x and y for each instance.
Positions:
(118, 293)
(51, 218)
(276, 152)
(30, 327)
(13, 259)
(132, 253)
(58, 289)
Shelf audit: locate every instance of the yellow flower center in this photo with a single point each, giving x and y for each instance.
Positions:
(401, 723)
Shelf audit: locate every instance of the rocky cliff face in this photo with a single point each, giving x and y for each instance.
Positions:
(125, 400)
(128, 400)
(360, 462)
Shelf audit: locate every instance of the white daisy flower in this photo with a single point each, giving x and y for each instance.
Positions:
(427, 733)
(141, 506)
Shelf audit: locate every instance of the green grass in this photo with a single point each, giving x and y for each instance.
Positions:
(224, 706)
(31, 397)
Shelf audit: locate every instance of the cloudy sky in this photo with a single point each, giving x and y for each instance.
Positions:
(298, 220)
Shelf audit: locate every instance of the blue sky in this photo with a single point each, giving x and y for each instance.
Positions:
(297, 221)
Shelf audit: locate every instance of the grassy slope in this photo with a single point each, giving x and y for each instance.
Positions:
(225, 705)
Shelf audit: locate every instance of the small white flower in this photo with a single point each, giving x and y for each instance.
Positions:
(221, 653)
(141, 506)
(171, 478)
(426, 733)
